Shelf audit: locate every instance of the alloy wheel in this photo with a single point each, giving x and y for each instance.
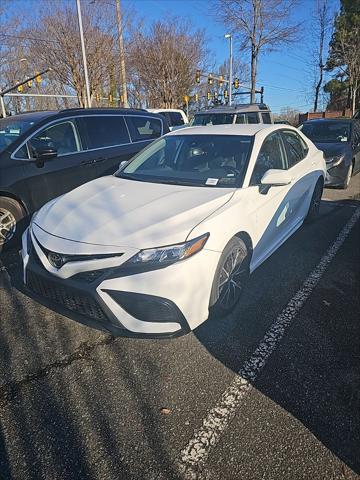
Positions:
(232, 279)
(7, 226)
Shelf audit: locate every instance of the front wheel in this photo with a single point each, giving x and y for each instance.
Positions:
(11, 218)
(230, 278)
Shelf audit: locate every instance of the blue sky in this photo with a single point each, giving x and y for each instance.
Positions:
(285, 74)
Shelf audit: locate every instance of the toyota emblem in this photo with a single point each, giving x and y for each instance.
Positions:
(56, 260)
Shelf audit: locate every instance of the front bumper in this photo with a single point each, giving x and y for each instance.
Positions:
(335, 176)
(168, 302)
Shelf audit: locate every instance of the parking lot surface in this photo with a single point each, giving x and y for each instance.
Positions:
(270, 392)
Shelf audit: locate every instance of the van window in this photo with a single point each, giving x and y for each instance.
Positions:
(62, 136)
(249, 117)
(105, 131)
(203, 119)
(176, 119)
(266, 117)
(143, 128)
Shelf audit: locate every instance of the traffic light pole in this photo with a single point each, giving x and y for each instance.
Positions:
(14, 87)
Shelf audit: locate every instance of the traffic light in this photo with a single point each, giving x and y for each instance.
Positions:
(29, 83)
(110, 98)
(208, 95)
(210, 79)
(20, 88)
(226, 94)
(236, 83)
(221, 80)
(197, 76)
(196, 97)
(97, 97)
(38, 79)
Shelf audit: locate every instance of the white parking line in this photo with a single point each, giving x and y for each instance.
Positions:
(194, 455)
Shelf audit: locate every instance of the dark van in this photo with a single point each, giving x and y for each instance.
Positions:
(46, 154)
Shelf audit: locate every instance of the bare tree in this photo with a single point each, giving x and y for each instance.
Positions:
(62, 51)
(261, 25)
(322, 27)
(164, 60)
(288, 114)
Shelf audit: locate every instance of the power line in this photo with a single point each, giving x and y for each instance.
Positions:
(22, 37)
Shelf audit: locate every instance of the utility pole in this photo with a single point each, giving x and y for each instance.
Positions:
(3, 110)
(229, 36)
(88, 97)
(122, 55)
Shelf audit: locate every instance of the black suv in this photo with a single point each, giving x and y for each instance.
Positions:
(46, 154)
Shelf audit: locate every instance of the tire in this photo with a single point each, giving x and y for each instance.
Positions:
(314, 206)
(235, 263)
(348, 177)
(12, 222)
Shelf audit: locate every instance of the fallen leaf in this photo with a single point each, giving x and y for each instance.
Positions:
(165, 411)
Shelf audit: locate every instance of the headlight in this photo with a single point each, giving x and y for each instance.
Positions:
(163, 256)
(336, 160)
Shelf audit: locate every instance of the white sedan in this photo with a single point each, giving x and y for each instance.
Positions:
(175, 233)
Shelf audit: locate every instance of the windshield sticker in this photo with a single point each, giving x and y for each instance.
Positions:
(211, 181)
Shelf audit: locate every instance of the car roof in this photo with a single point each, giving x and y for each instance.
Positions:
(242, 107)
(157, 110)
(330, 120)
(31, 116)
(41, 114)
(237, 129)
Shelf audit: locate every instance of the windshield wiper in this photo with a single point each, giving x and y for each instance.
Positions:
(166, 181)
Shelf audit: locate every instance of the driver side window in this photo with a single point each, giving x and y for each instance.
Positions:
(271, 156)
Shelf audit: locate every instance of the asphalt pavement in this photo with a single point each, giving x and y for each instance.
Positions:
(270, 392)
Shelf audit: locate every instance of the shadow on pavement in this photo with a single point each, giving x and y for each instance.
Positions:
(314, 374)
(67, 426)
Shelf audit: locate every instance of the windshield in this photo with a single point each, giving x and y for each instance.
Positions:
(204, 119)
(199, 160)
(327, 132)
(11, 129)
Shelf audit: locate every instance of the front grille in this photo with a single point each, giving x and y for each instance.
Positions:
(83, 304)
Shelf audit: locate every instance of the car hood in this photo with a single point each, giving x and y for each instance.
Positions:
(333, 149)
(117, 212)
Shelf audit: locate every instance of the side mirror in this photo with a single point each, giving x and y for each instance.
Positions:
(44, 153)
(123, 164)
(275, 177)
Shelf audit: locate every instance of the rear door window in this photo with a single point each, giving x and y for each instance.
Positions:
(144, 128)
(295, 147)
(105, 131)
